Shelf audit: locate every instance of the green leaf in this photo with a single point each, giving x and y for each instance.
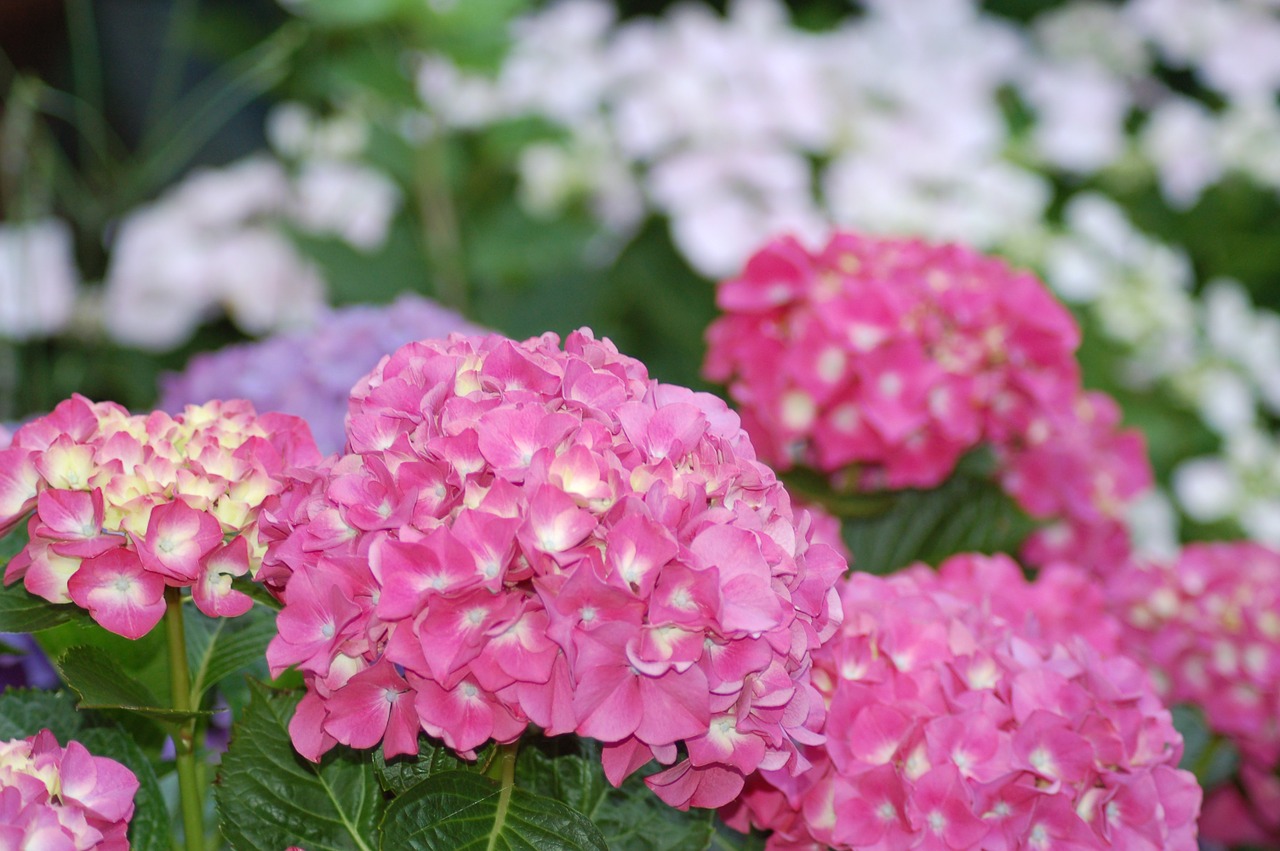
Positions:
(145, 659)
(728, 839)
(102, 684)
(631, 817)
(1212, 758)
(220, 647)
(24, 713)
(404, 772)
(268, 797)
(7, 649)
(463, 811)
(967, 513)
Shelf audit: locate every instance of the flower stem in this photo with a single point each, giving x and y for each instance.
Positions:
(503, 769)
(184, 742)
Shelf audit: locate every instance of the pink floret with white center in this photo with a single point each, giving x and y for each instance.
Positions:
(963, 712)
(122, 507)
(520, 534)
(1208, 626)
(881, 362)
(66, 798)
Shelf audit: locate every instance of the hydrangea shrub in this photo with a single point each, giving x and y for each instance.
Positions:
(63, 798)
(520, 533)
(122, 507)
(1207, 624)
(881, 362)
(966, 710)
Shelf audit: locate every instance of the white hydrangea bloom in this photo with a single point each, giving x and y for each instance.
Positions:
(38, 278)
(345, 199)
(202, 248)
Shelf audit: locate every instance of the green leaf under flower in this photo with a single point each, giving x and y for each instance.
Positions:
(102, 683)
(464, 811)
(268, 797)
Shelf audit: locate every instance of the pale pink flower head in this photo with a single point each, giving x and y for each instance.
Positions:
(121, 507)
(55, 797)
(963, 713)
(522, 533)
(881, 362)
(1208, 626)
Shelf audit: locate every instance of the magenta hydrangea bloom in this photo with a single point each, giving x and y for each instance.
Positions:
(65, 798)
(311, 371)
(962, 712)
(883, 361)
(522, 534)
(125, 506)
(1208, 625)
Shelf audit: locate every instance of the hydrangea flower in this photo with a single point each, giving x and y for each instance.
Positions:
(125, 506)
(963, 712)
(883, 361)
(523, 534)
(1208, 625)
(312, 371)
(55, 797)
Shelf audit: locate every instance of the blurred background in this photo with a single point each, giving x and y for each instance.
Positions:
(179, 176)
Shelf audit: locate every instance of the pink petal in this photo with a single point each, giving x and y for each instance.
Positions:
(119, 594)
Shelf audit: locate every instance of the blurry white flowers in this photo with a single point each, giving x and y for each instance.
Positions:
(38, 278)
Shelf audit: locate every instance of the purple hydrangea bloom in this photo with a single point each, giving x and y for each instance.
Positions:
(310, 373)
(29, 667)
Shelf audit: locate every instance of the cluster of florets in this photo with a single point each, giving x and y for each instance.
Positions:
(1079, 469)
(66, 798)
(126, 506)
(1208, 625)
(312, 371)
(883, 361)
(523, 534)
(961, 713)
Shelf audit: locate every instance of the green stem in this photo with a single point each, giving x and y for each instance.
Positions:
(184, 742)
(440, 223)
(503, 769)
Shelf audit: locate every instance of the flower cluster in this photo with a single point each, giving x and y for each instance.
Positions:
(38, 278)
(55, 797)
(1208, 625)
(216, 241)
(126, 506)
(962, 713)
(520, 534)
(312, 371)
(885, 360)
(1080, 468)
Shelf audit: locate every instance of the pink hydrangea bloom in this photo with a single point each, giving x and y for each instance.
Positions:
(65, 798)
(125, 506)
(962, 712)
(1208, 625)
(522, 534)
(883, 361)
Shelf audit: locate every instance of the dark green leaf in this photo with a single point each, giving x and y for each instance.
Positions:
(269, 797)
(463, 811)
(1212, 758)
(631, 818)
(7, 649)
(102, 684)
(403, 772)
(728, 839)
(967, 513)
(24, 713)
(145, 659)
(220, 647)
